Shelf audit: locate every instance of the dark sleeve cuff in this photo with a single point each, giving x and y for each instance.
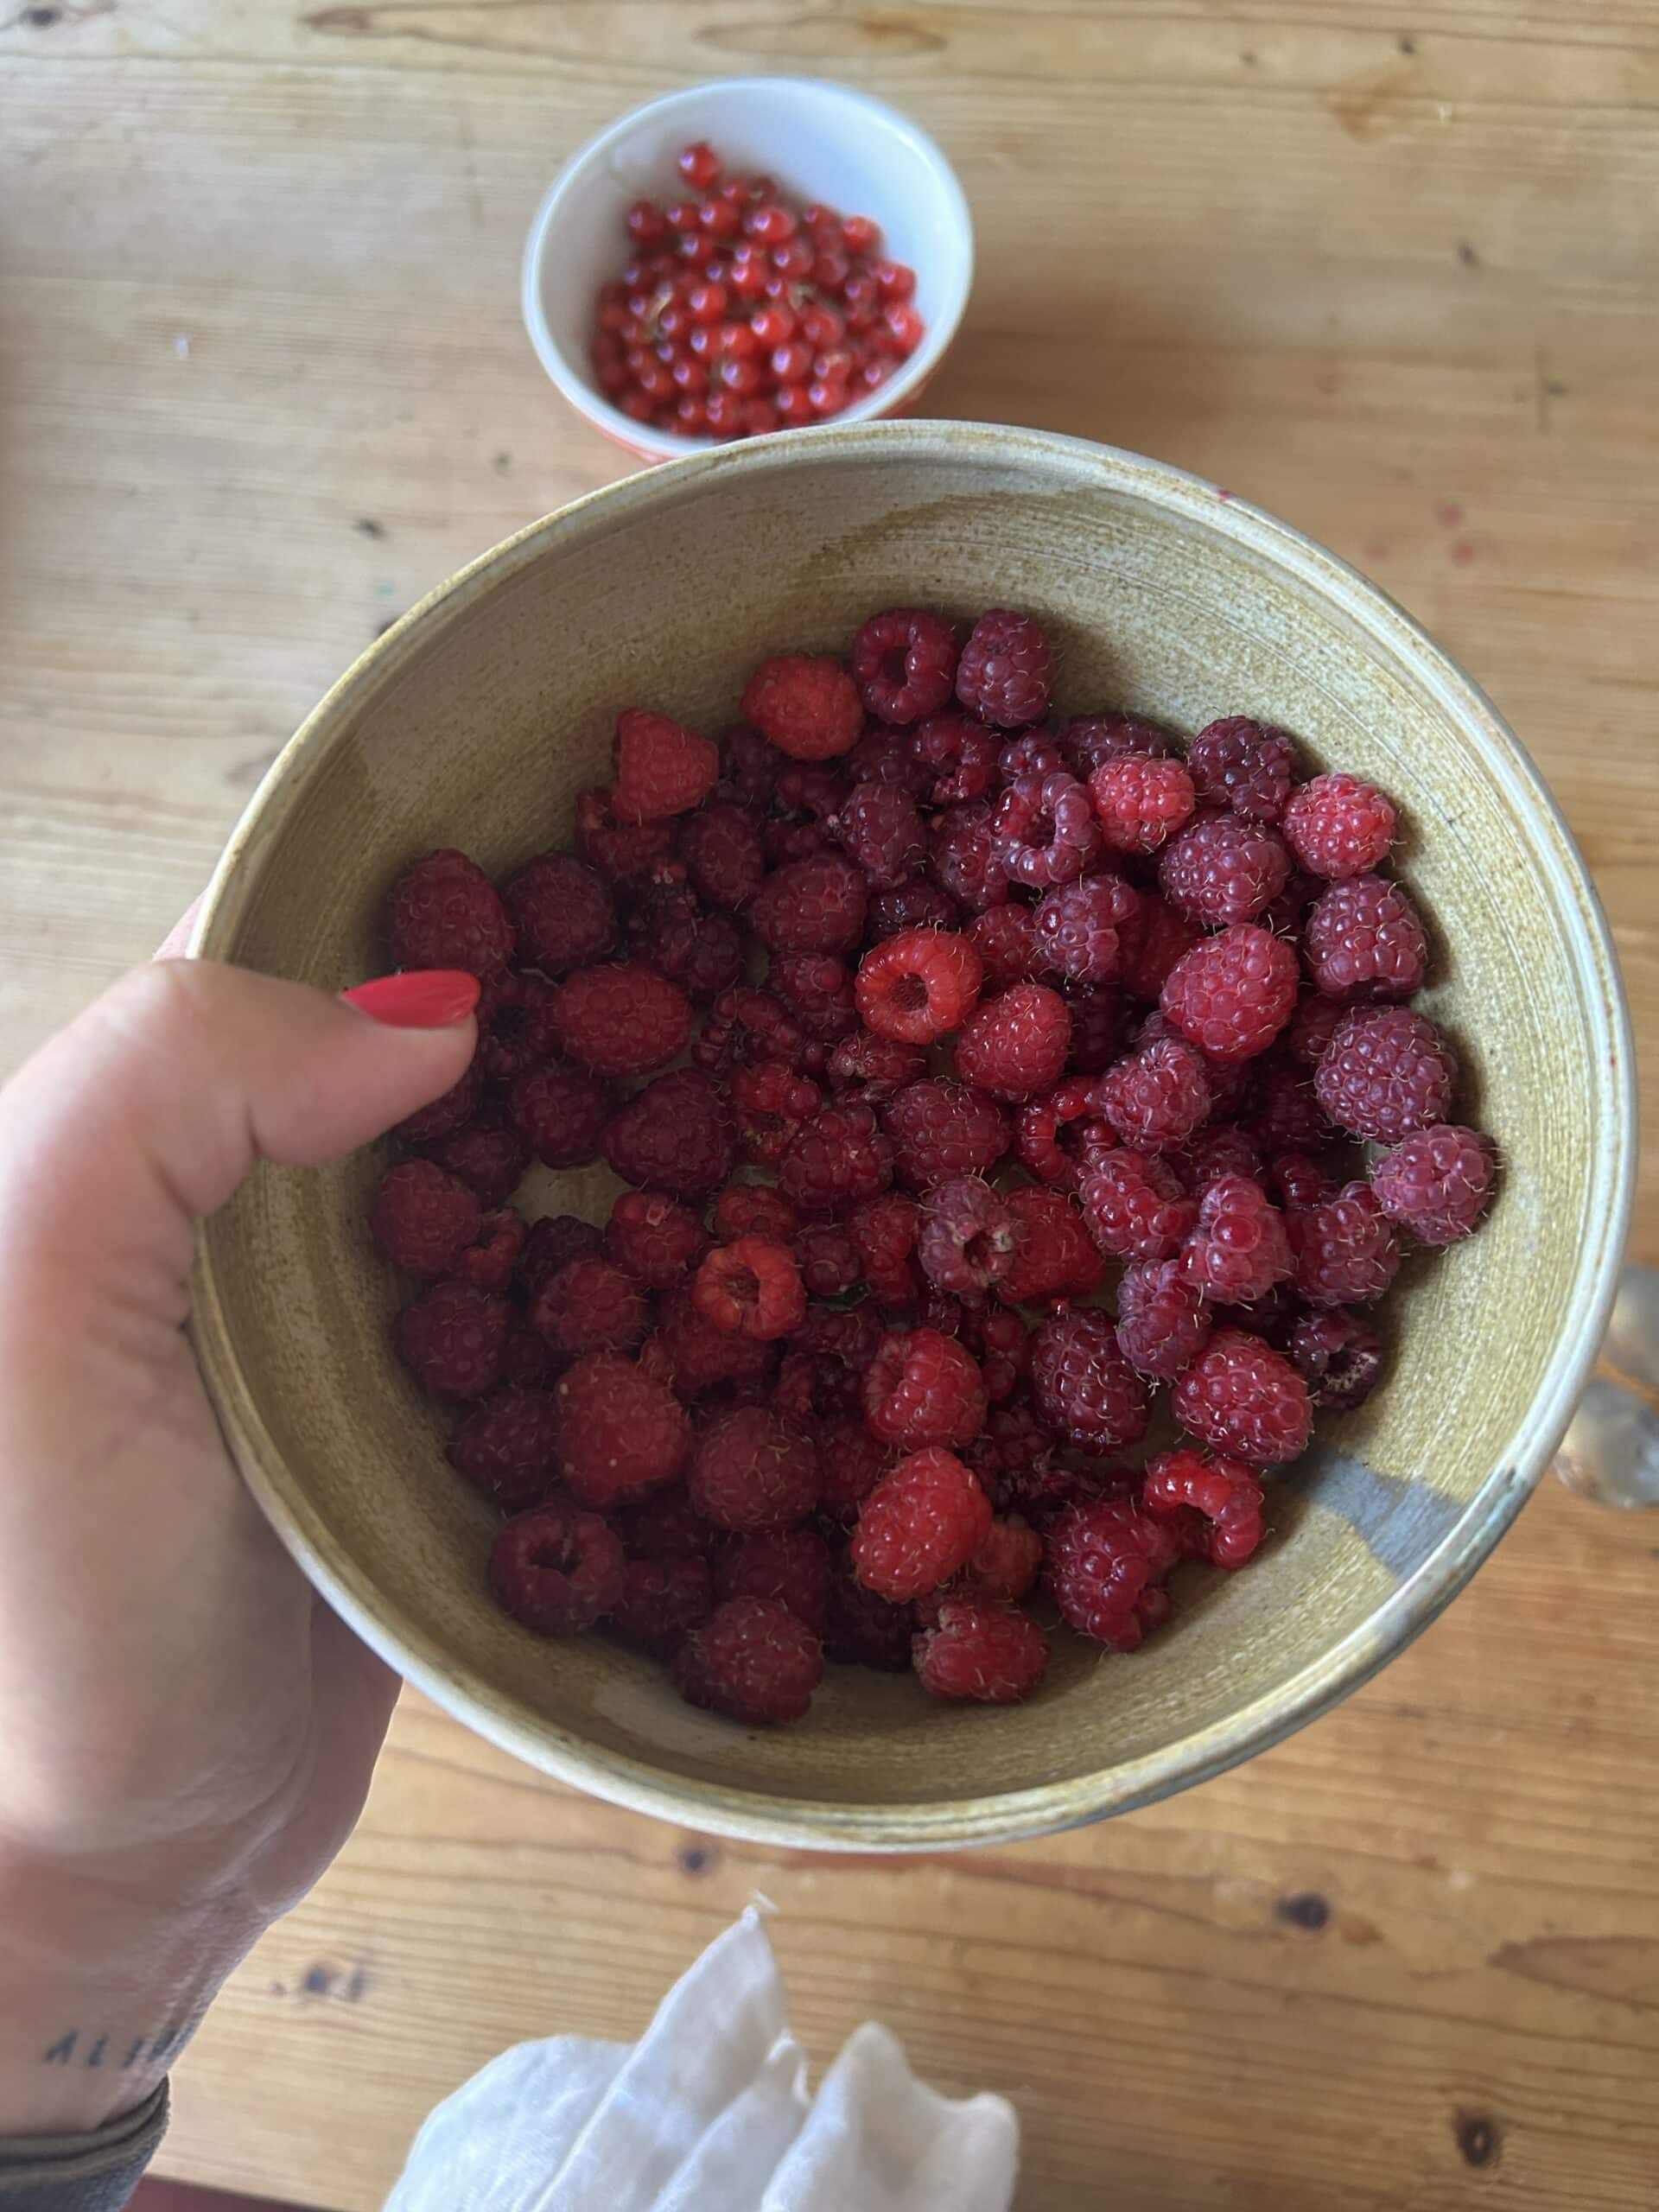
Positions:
(82, 2173)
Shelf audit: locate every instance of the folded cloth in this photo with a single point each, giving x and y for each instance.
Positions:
(709, 2112)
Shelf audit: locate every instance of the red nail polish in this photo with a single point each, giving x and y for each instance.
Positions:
(421, 998)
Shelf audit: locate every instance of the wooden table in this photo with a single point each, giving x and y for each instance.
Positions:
(262, 383)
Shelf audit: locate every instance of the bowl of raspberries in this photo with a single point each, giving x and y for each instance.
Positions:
(1047, 1147)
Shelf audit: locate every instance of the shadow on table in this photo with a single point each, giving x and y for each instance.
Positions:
(155, 2195)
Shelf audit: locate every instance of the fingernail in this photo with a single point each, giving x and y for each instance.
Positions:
(421, 998)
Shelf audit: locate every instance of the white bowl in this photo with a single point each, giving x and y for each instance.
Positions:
(822, 142)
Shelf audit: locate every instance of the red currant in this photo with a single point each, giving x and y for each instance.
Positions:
(699, 165)
(830, 270)
(794, 258)
(859, 235)
(897, 282)
(691, 417)
(906, 327)
(742, 377)
(791, 364)
(738, 340)
(772, 224)
(773, 324)
(828, 396)
(822, 327)
(760, 416)
(646, 225)
(708, 302)
(794, 405)
(724, 413)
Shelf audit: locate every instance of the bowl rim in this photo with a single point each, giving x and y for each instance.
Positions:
(765, 1818)
(578, 390)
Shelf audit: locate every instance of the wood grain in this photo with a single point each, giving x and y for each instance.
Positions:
(1393, 278)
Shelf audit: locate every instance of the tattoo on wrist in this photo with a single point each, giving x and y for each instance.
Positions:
(120, 2050)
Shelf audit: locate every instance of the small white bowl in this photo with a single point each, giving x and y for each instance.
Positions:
(822, 142)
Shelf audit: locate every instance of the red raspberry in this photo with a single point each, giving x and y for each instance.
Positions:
(883, 1230)
(1163, 1323)
(1386, 1073)
(882, 830)
(1249, 766)
(515, 1025)
(1101, 1018)
(696, 1356)
(1161, 936)
(1004, 938)
(665, 1527)
(1085, 930)
(816, 905)
(1140, 803)
(751, 1470)
(1285, 915)
(853, 1463)
(1336, 826)
(630, 854)
(675, 1136)
(965, 1240)
(562, 1113)
(1363, 940)
(917, 905)
(1016, 1453)
(422, 1219)
(809, 708)
(1037, 753)
(1224, 1493)
(982, 1649)
(492, 1263)
(752, 1026)
(1044, 830)
(1231, 994)
(1135, 1205)
(1005, 675)
(453, 1339)
(871, 1068)
(1000, 1340)
(772, 1105)
(813, 1387)
(754, 1210)
(886, 756)
(865, 1630)
(837, 1157)
(723, 854)
(625, 1020)
(1016, 1043)
(751, 1288)
(555, 1570)
(1287, 1115)
(748, 766)
(938, 1129)
(1316, 1018)
(1346, 1249)
(1107, 1560)
(955, 758)
(793, 1565)
(1006, 1563)
(702, 954)
(922, 1389)
(753, 1661)
(904, 663)
(447, 1113)
(919, 985)
(1239, 1249)
(444, 912)
(1437, 1182)
(660, 1599)
(1300, 1180)
(488, 1160)
(621, 1433)
(655, 1237)
(1156, 1096)
(1054, 1255)
(528, 1364)
(552, 1241)
(590, 1304)
(1339, 1356)
(967, 860)
(811, 792)
(1215, 1153)
(661, 768)
(1244, 1399)
(1222, 869)
(508, 1447)
(1089, 741)
(828, 1260)
(918, 1526)
(1083, 1386)
(1054, 1136)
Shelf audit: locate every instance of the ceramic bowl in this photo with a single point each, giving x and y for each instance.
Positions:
(822, 142)
(477, 720)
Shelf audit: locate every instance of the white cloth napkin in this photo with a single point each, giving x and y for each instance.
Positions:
(709, 2113)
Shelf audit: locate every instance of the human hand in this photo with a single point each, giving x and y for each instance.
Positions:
(188, 1731)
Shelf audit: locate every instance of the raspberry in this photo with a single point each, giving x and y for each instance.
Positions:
(1054, 1136)
(871, 1068)
(982, 1649)
(527, 1363)
(904, 663)
(562, 1113)
(813, 791)
(1215, 1153)
(625, 1020)
(1107, 1558)
(1222, 869)
(696, 1356)
(1006, 1563)
(1387, 1072)
(664, 1527)
(837, 1157)
(674, 1136)
(1000, 1340)
(922, 1389)
(661, 768)
(1017, 1452)
(1336, 826)
(430, 1124)
(1287, 1115)
(508, 1447)
(1083, 1386)
(956, 758)
(1316, 1018)
(1363, 940)
(1044, 830)
(655, 1237)
(1285, 915)
(1244, 1399)
(921, 1524)
(939, 1129)
(752, 1661)
(1156, 1096)
(702, 954)
(791, 1565)
(1163, 1323)
(1246, 765)
(967, 858)
(1135, 1205)
(1037, 753)
(809, 708)
(853, 1463)
(828, 1260)
(453, 1339)
(965, 1239)
(813, 1387)
(1163, 934)
(553, 1241)
(1300, 1180)
(751, 1288)
(491, 1262)
(1016, 1043)
(724, 855)
(1101, 1015)
(515, 1025)
(772, 1105)
(748, 766)
(754, 1210)
(555, 1570)
(1437, 1182)
(882, 830)
(1088, 741)
(1084, 930)
(1054, 1255)
(590, 1304)
(1004, 938)
(660, 1599)
(563, 914)
(914, 905)
(883, 1230)
(629, 853)
(751, 1470)
(1339, 1356)
(1239, 1248)
(886, 756)
(812, 905)
(422, 1219)
(753, 1026)
(865, 1630)
(1231, 994)
(1346, 1249)
(1224, 1493)
(919, 986)
(489, 1160)
(1006, 674)
(1140, 803)
(444, 912)
(621, 1433)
